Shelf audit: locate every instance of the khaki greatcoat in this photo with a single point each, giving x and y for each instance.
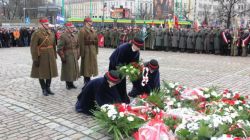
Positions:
(88, 42)
(43, 50)
(68, 48)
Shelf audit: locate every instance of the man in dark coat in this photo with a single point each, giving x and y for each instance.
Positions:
(123, 55)
(43, 52)
(149, 81)
(103, 90)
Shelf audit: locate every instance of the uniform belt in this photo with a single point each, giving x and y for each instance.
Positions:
(44, 48)
(92, 42)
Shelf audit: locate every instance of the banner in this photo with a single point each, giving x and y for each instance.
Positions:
(100, 40)
(163, 9)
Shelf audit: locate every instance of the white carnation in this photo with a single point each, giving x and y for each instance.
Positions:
(130, 118)
(171, 85)
(215, 94)
(113, 117)
(231, 108)
(228, 95)
(240, 108)
(179, 105)
(121, 114)
(207, 96)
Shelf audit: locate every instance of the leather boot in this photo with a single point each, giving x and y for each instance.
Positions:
(68, 86)
(72, 85)
(43, 86)
(86, 80)
(48, 82)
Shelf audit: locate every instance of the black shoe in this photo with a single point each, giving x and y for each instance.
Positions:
(45, 93)
(49, 91)
(68, 87)
(73, 86)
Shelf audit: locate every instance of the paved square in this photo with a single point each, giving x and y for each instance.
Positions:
(26, 114)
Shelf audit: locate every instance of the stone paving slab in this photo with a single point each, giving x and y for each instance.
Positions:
(26, 114)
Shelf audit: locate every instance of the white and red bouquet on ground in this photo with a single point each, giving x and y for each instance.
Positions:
(177, 112)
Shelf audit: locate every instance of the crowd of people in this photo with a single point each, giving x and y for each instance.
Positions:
(210, 40)
(15, 37)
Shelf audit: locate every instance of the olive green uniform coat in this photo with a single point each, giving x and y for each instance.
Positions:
(43, 50)
(88, 42)
(68, 49)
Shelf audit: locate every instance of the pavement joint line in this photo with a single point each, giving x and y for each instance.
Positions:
(224, 77)
(54, 123)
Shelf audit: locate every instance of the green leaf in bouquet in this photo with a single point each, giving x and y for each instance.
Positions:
(222, 129)
(237, 132)
(183, 134)
(157, 98)
(243, 115)
(204, 131)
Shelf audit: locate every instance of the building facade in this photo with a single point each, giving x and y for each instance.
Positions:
(82, 8)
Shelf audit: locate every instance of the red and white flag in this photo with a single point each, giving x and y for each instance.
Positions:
(176, 22)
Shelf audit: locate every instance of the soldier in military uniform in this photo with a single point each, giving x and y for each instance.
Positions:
(191, 41)
(43, 52)
(88, 42)
(68, 50)
(158, 38)
(167, 39)
(107, 38)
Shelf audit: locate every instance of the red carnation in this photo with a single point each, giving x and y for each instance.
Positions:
(237, 138)
(225, 91)
(237, 96)
(175, 126)
(174, 117)
(121, 109)
(202, 105)
(136, 135)
(231, 102)
(243, 102)
(129, 108)
(176, 92)
(144, 96)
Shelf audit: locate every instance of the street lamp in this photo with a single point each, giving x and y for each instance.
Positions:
(91, 8)
(24, 14)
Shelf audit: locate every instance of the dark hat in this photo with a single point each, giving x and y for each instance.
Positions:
(69, 24)
(44, 20)
(87, 19)
(153, 64)
(113, 76)
(138, 42)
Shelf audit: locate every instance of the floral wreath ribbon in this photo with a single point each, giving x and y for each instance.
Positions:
(144, 76)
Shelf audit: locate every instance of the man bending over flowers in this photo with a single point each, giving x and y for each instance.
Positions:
(123, 55)
(149, 81)
(103, 90)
